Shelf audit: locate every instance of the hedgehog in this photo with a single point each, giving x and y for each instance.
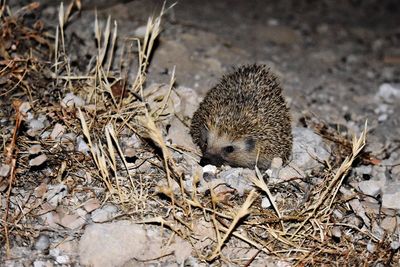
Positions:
(243, 121)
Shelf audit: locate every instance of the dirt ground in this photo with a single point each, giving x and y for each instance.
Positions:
(98, 167)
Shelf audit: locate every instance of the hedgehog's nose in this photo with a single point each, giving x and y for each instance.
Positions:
(212, 159)
(204, 161)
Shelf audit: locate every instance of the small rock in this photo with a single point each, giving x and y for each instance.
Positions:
(40, 263)
(307, 147)
(338, 214)
(370, 187)
(190, 100)
(130, 152)
(35, 149)
(55, 194)
(323, 28)
(389, 224)
(354, 220)
(265, 203)
(91, 204)
(379, 174)
(104, 214)
(374, 145)
(82, 146)
(291, 171)
(389, 92)
(209, 172)
(71, 100)
(37, 161)
(363, 170)
(336, 232)
(4, 170)
(54, 252)
(34, 127)
(64, 259)
(371, 247)
(391, 200)
(72, 221)
(57, 132)
(45, 135)
(40, 190)
(36, 124)
(395, 245)
(113, 244)
(50, 218)
(133, 141)
(178, 133)
(378, 231)
(42, 243)
(24, 107)
(372, 207)
(43, 119)
(396, 171)
(140, 32)
(68, 138)
(210, 169)
(394, 159)
(383, 117)
(382, 109)
(237, 179)
(357, 207)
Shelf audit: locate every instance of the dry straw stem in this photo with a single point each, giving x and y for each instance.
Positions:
(329, 194)
(110, 132)
(260, 183)
(62, 18)
(166, 98)
(155, 135)
(12, 161)
(104, 159)
(152, 31)
(244, 211)
(98, 157)
(162, 222)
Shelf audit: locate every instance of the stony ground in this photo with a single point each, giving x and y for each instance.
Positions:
(128, 190)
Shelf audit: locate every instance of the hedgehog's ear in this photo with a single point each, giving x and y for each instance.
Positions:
(250, 144)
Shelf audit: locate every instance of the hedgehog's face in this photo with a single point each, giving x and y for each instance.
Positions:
(221, 149)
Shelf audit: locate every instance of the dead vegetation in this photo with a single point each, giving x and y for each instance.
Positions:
(35, 70)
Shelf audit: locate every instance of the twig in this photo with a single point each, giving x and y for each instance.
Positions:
(10, 159)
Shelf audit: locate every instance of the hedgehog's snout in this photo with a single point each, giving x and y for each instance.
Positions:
(212, 159)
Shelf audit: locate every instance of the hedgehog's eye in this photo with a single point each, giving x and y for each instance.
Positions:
(229, 149)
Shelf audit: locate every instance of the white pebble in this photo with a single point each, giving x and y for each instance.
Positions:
(71, 100)
(35, 149)
(265, 203)
(140, 32)
(210, 169)
(57, 132)
(371, 247)
(39, 160)
(62, 259)
(370, 187)
(389, 91)
(383, 117)
(4, 170)
(395, 245)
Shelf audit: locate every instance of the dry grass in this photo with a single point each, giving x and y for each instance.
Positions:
(300, 236)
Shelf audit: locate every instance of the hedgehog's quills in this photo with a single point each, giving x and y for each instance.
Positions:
(243, 120)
